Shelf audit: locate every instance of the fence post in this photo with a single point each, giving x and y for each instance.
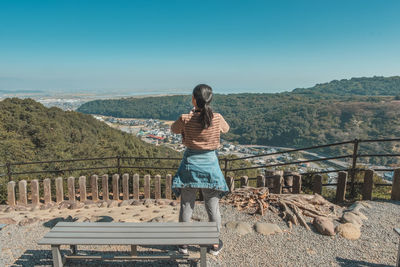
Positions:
(353, 167)
(230, 181)
(119, 164)
(368, 184)
(104, 187)
(82, 189)
(125, 186)
(341, 187)
(35, 192)
(135, 185)
(59, 190)
(47, 191)
(396, 185)
(317, 184)
(269, 182)
(94, 187)
(147, 186)
(71, 188)
(23, 200)
(244, 181)
(288, 180)
(11, 193)
(115, 186)
(296, 184)
(277, 184)
(8, 165)
(168, 188)
(157, 186)
(260, 181)
(226, 167)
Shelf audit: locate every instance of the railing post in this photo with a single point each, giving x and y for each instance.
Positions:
(47, 190)
(59, 190)
(296, 184)
(11, 193)
(119, 164)
(23, 200)
(231, 183)
(226, 167)
(317, 184)
(125, 186)
(341, 187)
(71, 189)
(35, 192)
(260, 181)
(368, 184)
(244, 181)
(396, 185)
(94, 187)
(82, 188)
(353, 167)
(135, 186)
(104, 187)
(8, 165)
(168, 189)
(147, 186)
(115, 186)
(157, 186)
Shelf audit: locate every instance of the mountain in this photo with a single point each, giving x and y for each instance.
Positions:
(31, 132)
(293, 119)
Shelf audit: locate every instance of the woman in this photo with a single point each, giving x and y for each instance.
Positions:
(199, 168)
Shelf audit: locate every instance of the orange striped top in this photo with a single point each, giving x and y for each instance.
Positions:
(193, 134)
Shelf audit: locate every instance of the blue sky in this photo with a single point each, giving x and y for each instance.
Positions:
(253, 46)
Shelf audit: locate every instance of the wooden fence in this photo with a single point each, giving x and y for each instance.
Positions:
(277, 181)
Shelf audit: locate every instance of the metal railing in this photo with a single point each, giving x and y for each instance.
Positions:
(352, 168)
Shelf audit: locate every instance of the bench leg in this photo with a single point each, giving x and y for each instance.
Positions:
(398, 257)
(74, 249)
(133, 250)
(203, 256)
(57, 258)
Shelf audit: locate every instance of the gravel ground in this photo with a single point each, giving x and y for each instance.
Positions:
(377, 246)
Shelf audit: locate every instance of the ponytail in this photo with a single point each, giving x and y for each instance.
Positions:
(203, 95)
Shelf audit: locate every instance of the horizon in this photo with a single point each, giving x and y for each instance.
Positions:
(156, 47)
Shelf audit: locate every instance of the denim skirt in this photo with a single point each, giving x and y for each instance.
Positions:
(199, 169)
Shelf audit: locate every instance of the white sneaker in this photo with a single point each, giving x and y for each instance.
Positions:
(216, 250)
(183, 249)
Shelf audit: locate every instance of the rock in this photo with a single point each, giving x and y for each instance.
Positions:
(44, 207)
(157, 219)
(124, 203)
(160, 202)
(9, 209)
(89, 202)
(324, 226)
(113, 204)
(136, 202)
(21, 208)
(148, 201)
(360, 215)
(241, 228)
(267, 228)
(64, 205)
(103, 205)
(76, 205)
(7, 221)
(173, 203)
(135, 215)
(156, 211)
(175, 208)
(86, 207)
(27, 221)
(350, 217)
(356, 206)
(349, 231)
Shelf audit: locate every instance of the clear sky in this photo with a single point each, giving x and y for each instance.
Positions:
(253, 46)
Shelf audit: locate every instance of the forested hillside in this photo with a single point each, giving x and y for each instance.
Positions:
(294, 119)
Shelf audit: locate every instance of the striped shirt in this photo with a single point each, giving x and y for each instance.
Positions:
(193, 134)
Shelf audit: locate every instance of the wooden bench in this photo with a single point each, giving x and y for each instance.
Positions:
(73, 234)
(398, 252)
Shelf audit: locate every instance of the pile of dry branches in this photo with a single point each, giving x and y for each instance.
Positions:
(292, 207)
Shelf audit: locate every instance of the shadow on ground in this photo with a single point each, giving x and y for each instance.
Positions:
(357, 263)
(44, 258)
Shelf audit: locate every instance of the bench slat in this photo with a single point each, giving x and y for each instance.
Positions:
(133, 229)
(176, 241)
(127, 224)
(130, 235)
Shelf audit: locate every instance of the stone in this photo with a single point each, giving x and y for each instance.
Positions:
(173, 203)
(136, 202)
(148, 201)
(350, 217)
(267, 228)
(7, 221)
(360, 215)
(27, 221)
(9, 209)
(157, 219)
(103, 205)
(241, 228)
(64, 205)
(356, 206)
(124, 203)
(156, 211)
(21, 208)
(89, 202)
(76, 205)
(348, 231)
(324, 226)
(113, 204)
(160, 202)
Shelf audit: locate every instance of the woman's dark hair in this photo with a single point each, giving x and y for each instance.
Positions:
(203, 95)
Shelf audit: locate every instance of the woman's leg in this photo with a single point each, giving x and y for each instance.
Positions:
(188, 198)
(211, 201)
